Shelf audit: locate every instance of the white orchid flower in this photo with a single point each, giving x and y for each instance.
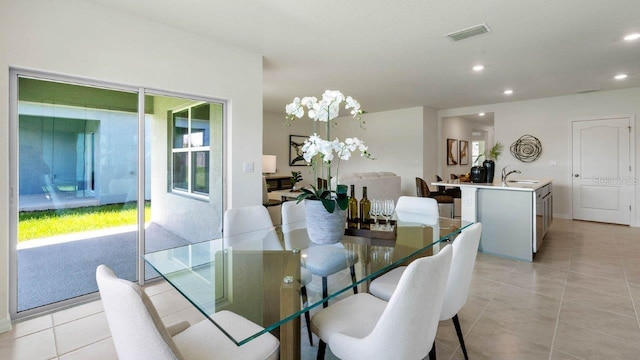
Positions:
(353, 104)
(316, 149)
(294, 108)
(332, 96)
(308, 101)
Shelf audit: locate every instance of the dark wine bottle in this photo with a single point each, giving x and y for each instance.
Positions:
(365, 207)
(352, 215)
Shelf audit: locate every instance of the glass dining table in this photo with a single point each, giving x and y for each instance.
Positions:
(259, 274)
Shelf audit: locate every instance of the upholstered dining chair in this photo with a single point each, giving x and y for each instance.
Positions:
(418, 205)
(320, 260)
(365, 327)
(465, 249)
(249, 219)
(455, 192)
(422, 190)
(139, 334)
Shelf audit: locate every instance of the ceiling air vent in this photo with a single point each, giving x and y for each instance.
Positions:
(468, 32)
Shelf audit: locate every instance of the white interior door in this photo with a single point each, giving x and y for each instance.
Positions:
(601, 170)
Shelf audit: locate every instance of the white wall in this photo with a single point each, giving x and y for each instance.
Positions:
(83, 39)
(429, 145)
(275, 141)
(394, 138)
(549, 120)
(461, 129)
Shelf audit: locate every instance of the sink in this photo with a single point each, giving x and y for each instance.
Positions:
(523, 181)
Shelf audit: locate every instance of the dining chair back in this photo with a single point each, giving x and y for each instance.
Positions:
(249, 220)
(293, 216)
(418, 205)
(465, 250)
(136, 327)
(441, 189)
(138, 332)
(362, 327)
(422, 189)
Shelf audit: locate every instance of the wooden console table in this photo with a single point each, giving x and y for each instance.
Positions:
(278, 182)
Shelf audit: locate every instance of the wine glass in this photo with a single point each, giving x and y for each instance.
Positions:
(375, 210)
(387, 210)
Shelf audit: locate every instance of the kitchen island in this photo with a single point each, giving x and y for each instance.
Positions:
(514, 217)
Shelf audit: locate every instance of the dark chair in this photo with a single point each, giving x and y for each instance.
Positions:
(455, 192)
(423, 191)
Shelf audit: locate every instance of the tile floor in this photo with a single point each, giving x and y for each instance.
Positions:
(579, 299)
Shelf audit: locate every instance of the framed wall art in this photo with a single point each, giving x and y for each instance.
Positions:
(463, 157)
(452, 152)
(295, 150)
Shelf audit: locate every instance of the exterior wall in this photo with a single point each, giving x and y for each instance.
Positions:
(86, 40)
(185, 216)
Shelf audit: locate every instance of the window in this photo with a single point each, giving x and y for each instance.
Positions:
(190, 150)
(477, 150)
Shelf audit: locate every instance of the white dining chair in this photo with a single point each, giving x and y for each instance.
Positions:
(365, 327)
(418, 205)
(139, 334)
(242, 225)
(320, 260)
(465, 249)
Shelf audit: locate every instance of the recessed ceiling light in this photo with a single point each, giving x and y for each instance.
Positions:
(481, 114)
(478, 68)
(508, 92)
(631, 37)
(620, 76)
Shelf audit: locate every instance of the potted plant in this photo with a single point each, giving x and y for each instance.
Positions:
(489, 164)
(322, 153)
(296, 177)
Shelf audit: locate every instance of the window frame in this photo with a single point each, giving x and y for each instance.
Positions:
(189, 150)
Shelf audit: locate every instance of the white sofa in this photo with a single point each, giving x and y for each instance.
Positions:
(380, 185)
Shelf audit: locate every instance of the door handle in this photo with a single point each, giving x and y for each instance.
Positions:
(576, 175)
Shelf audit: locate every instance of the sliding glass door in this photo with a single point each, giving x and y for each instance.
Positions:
(101, 175)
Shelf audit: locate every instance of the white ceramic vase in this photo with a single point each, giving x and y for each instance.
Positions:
(324, 227)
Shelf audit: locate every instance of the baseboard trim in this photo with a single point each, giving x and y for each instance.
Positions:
(5, 325)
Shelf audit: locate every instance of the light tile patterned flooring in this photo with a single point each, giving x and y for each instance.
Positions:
(579, 299)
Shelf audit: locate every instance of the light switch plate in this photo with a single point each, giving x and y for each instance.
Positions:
(247, 166)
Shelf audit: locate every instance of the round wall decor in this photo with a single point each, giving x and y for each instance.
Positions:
(527, 148)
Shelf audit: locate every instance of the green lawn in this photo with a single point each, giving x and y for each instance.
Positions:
(40, 224)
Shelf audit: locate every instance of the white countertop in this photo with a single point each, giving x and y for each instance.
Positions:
(514, 184)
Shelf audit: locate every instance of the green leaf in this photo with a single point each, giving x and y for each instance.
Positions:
(329, 204)
(343, 203)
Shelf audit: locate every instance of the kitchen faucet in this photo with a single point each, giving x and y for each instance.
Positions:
(506, 174)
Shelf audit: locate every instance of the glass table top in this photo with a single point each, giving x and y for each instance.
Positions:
(259, 274)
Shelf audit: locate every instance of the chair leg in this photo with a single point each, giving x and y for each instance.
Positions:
(432, 352)
(322, 347)
(307, 318)
(456, 323)
(325, 293)
(353, 278)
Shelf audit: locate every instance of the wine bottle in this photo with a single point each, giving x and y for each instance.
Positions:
(352, 215)
(365, 207)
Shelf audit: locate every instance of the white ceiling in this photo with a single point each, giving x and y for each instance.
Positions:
(393, 54)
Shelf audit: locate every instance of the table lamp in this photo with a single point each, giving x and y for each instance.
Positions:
(268, 164)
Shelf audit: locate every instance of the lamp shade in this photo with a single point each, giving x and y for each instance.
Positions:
(268, 164)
